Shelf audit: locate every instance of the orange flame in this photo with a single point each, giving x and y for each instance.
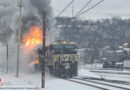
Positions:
(33, 38)
(34, 62)
(30, 40)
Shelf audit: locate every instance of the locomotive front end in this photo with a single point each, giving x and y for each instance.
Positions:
(63, 61)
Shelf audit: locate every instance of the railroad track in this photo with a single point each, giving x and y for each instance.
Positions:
(107, 80)
(98, 87)
(97, 84)
(111, 75)
(107, 72)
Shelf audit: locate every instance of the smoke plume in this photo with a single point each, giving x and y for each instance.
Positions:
(32, 14)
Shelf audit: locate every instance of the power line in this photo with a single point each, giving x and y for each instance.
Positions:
(90, 8)
(65, 8)
(83, 7)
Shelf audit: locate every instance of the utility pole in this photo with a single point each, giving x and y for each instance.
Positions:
(72, 8)
(18, 40)
(44, 50)
(7, 58)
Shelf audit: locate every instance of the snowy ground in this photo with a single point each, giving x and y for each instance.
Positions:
(33, 80)
(113, 74)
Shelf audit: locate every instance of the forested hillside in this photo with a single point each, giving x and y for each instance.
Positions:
(95, 33)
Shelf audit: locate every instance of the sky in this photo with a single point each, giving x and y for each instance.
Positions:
(108, 8)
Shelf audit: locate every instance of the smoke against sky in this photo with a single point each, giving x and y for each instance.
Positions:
(32, 14)
(7, 10)
(108, 8)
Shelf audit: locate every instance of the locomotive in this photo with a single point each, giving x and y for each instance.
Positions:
(62, 59)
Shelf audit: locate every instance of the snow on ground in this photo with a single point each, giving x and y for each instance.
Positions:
(118, 77)
(112, 71)
(54, 83)
(34, 80)
(86, 72)
(59, 84)
(121, 75)
(95, 66)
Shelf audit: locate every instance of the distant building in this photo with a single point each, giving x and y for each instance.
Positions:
(126, 55)
(125, 45)
(87, 55)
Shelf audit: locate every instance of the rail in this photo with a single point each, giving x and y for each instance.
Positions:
(98, 87)
(101, 83)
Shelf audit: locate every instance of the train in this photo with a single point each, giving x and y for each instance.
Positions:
(62, 59)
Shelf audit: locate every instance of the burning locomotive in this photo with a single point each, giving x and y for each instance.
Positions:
(61, 59)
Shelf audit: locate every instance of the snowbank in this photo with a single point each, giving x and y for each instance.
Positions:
(87, 73)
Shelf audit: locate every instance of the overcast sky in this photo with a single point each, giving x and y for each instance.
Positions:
(108, 8)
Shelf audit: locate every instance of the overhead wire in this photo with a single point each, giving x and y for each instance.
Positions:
(84, 7)
(90, 8)
(62, 12)
(79, 13)
(65, 8)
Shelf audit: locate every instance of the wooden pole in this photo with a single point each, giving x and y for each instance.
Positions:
(44, 50)
(18, 41)
(7, 59)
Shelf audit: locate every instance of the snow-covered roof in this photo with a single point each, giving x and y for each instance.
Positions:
(118, 51)
(125, 44)
(127, 49)
(119, 46)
